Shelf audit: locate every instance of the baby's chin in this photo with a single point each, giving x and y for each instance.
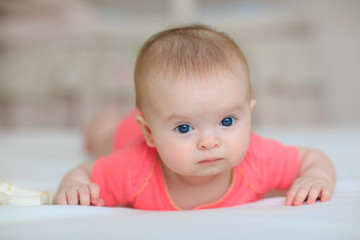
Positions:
(201, 170)
(211, 171)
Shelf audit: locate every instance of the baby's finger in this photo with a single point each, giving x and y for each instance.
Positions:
(290, 195)
(61, 199)
(100, 203)
(72, 197)
(313, 194)
(94, 193)
(301, 195)
(325, 194)
(84, 196)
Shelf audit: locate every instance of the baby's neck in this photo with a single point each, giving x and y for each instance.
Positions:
(198, 181)
(188, 192)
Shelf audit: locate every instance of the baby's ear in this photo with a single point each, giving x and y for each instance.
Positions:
(145, 129)
(252, 103)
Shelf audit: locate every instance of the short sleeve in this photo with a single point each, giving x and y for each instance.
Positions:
(113, 177)
(273, 165)
(121, 174)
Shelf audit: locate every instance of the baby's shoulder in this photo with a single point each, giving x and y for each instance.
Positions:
(258, 142)
(136, 154)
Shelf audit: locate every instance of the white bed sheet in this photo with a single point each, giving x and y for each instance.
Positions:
(38, 159)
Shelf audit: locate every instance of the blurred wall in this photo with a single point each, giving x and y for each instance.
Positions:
(336, 41)
(63, 60)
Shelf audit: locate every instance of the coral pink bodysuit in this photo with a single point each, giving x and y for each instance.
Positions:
(133, 176)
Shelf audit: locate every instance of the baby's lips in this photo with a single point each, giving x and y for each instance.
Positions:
(210, 160)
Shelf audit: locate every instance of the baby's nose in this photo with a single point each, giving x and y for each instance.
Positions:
(208, 142)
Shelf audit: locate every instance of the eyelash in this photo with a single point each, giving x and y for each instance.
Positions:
(185, 128)
(233, 120)
(179, 130)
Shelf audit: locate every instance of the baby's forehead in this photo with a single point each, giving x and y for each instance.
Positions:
(189, 81)
(205, 74)
(195, 93)
(192, 84)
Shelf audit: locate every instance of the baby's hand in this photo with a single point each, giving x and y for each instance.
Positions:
(82, 194)
(310, 188)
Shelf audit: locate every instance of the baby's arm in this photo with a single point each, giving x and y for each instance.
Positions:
(316, 178)
(76, 188)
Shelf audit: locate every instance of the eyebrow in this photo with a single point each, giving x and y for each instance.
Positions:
(184, 117)
(175, 117)
(236, 108)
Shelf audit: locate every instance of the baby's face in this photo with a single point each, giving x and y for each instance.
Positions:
(200, 128)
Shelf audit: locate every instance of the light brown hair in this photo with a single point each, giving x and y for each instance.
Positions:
(187, 51)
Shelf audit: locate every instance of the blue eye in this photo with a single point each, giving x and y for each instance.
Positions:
(184, 128)
(227, 122)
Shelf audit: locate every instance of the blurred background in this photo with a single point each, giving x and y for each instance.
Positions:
(61, 61)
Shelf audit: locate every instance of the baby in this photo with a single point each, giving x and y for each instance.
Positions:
(189, 145)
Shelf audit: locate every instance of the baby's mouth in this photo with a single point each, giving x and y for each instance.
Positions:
(209, 161)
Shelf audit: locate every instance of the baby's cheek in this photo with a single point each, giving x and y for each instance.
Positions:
(175, 157)
(236, 152)
(177, 154)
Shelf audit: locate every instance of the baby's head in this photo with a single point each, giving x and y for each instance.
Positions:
(180, 55)
(192, 86)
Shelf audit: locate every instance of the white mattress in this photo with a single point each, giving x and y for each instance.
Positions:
(38, 159)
